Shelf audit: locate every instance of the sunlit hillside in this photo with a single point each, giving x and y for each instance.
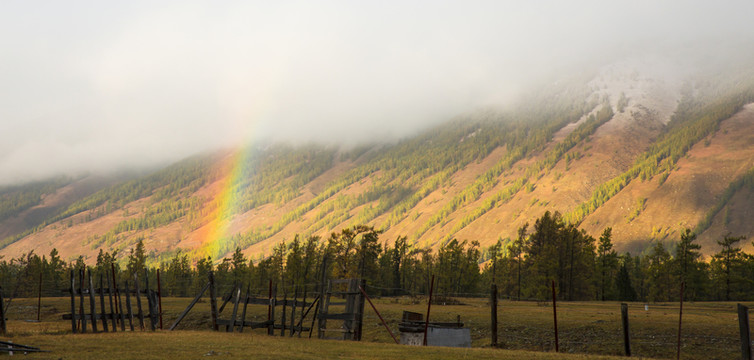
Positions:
(648, 153)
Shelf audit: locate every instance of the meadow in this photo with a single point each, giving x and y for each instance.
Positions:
(588, 330)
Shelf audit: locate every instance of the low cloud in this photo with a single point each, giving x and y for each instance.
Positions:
(98, 86)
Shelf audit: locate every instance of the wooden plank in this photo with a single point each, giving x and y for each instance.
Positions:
(154, 317)
(293, 309)
(235, 310)
(149, 294)
(303, 316)
(81, 298)
(245, 305)
(88, 317)
(113, 309)
(128, 306)
(92, 303)
(226, 299)
(189, 307)
(348, 323)
(140, 312)
(342, 316)
(73, 306)
(118, 303)
(102, 304)
(303, 306)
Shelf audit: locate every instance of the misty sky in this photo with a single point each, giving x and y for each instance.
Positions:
(99, 85)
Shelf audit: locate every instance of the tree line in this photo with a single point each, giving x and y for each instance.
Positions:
(583, 268)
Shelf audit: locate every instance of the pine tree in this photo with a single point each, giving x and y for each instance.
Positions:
(727, 263)
(607, 260)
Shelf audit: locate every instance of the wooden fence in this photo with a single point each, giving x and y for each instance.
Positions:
(114, 316)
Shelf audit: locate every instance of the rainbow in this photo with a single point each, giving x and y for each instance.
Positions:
(214, 235)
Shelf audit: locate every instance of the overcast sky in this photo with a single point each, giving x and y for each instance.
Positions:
(106, 84)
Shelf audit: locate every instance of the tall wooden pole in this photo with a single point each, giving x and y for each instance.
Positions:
(626, 333)
(159, 297)
(680, 318)
(743, 325)
(493, 315)
(3, 325)
(555, 316)
(39, 299)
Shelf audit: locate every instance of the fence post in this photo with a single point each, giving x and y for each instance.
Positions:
(137, 291)
(493, 315)
(626, 334)
(213, 300)
(429, 306)
(129, 309)
(323, 303)
(102, 304)
(116, 294)
(743, 326)
(39, 299)
(3, 326)
(159, 297)
(680, 317)
(555, 316)
(270, 320)
(282, 314)
(92, 303)
(73, 304)
(81, 304)
(362, 285)
(113, 310)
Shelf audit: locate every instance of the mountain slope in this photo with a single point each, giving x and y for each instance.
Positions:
(647, 152)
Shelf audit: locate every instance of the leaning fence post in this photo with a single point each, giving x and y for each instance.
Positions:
(555, 316)
(493, 315)
(626, 334)
(743, 326)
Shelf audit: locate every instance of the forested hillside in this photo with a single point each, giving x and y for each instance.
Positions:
(648, 157)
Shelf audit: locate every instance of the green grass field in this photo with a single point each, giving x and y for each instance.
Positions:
(587, 330)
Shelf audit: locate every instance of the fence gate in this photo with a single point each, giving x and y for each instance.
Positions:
(352, 316)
